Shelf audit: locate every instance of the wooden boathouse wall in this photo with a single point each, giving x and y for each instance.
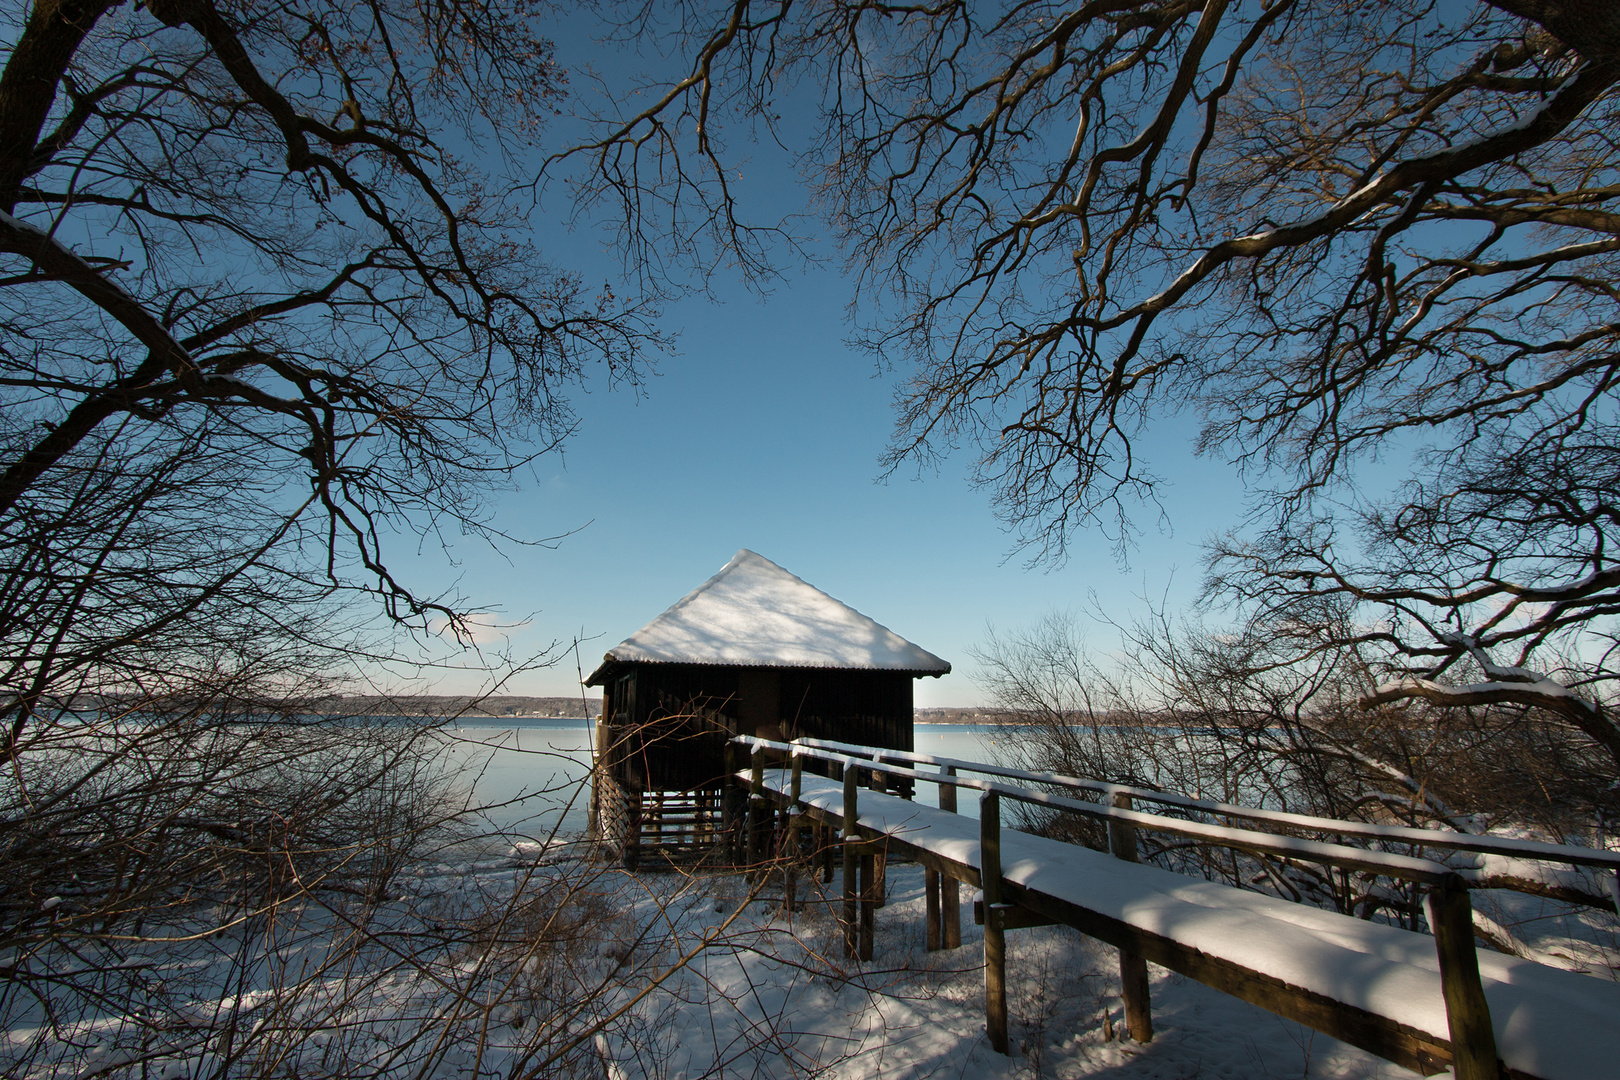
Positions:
(662, 734)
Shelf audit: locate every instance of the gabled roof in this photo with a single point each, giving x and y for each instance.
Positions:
(753, 613)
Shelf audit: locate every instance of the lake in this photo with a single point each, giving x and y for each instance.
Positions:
(527, 777)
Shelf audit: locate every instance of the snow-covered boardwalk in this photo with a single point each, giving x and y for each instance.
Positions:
(1373, 985)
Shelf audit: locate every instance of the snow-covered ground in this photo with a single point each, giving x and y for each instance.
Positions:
(516, 967)
(514, 964)
(778, 1000)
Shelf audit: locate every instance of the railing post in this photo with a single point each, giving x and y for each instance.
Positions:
(950, 890)
(1133, 975)
(756, 805)
(995, 938)
(869, 887)
(851, 838)
(729, 817)
(931, 919)
(791, 835)
(878, 893)
(1468, 1014)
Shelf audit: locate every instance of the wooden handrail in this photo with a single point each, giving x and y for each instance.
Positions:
(1404, 867)
(1535, 850)
(1471, 1040)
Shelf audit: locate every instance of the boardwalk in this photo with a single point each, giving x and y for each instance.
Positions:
(1388, 990)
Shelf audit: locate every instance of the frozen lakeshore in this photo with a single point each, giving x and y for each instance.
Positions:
(512, 967)
(514, 957)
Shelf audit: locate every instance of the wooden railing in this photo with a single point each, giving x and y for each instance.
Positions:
(1447, 906)
(1534, 850)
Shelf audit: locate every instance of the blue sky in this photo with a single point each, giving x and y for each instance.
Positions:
(765, 432)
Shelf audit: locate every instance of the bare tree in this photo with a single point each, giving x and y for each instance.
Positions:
(1240, 718)
(1346, 237)
(265, 304)
(269, 299)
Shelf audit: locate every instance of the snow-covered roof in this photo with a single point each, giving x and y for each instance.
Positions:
(753, 613)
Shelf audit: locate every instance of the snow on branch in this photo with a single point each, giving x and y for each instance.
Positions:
(1533, 690)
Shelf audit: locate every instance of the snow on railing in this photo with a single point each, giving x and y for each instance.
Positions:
(1534, 850)
(1405, 867)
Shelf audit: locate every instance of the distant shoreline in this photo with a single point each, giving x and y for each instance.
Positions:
(515, 707)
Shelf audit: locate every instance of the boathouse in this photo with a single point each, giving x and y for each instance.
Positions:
(752, 651)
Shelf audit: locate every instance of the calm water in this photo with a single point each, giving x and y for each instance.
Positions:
(529, 777)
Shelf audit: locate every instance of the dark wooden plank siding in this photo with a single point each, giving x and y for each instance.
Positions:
(868, 707)
(671, 721)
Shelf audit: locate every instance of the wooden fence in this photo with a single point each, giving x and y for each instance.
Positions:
(953, 851)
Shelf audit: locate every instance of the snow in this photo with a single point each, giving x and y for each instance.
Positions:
(769, 997)
(754, 613)
(1554, 1024)
(1381, 862)
(1505, 847)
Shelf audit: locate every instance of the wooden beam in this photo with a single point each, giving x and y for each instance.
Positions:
(1012, 917)
(631, 855)
(599, 771)
(878, 894)
(728, 800)
(1468, 1014)
(1133, 974)
(931, 906)
(851, 831)
(790, 835)
(995, 940)
(868, 888)
(756, 806)
(950, 896)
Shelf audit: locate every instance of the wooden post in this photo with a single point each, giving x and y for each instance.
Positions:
(756, 805)
(995, 939)
(1473, 1040)
(1133, 976)
(868, 902)
(791, 835)
(931, 889)
(599, 776)
(878, 894)
(950, 890)
(728, 799)
(632, 830)
(851, 838)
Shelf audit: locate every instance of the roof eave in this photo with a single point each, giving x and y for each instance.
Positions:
(611, 664)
